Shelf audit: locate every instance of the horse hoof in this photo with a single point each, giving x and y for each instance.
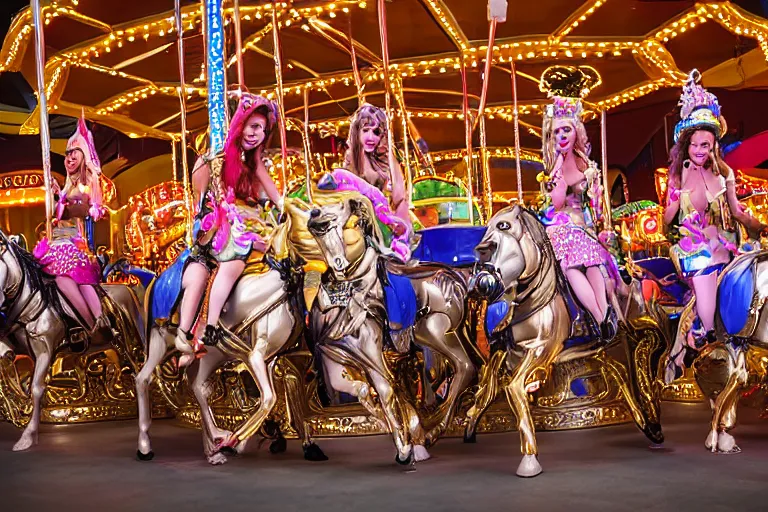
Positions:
(711, 442)
(145, 456)
(529, 467)
(279, 445)
(25, 443)
(471, 438)
(654, 434)
(726, 444)
(420, 453)
(217, 459)
(313, 453)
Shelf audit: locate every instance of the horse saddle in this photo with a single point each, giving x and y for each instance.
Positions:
(736, 295)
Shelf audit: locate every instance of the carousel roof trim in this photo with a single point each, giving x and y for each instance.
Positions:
(650, 52)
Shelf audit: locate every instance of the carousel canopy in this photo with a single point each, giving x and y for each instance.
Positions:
(119, 61)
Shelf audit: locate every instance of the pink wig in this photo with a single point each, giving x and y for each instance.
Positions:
(249, 104)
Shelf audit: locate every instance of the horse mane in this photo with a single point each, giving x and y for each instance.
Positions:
(298, 211)
(533, 292)
(33, 272)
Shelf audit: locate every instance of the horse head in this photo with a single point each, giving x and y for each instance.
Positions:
(343, 230)
(508, 252)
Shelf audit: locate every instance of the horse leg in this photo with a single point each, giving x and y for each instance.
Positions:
(42, 367)
(381, 379)
(518, 400)
(488, 389)
(263, 375)
(435, 334)
(724, 409)
(211, 433)
(612, 370)
(155, 353)
(296, 399)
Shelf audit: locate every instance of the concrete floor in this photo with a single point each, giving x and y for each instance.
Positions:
(92, 468)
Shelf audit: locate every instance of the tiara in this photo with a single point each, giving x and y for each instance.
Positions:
(698, 107)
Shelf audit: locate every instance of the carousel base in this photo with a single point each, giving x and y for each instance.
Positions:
(597, 469)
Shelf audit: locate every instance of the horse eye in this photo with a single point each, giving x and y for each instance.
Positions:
(503, 225)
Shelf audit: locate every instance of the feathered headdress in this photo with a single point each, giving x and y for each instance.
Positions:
(567, 85)
(246, 107)
(698, 108)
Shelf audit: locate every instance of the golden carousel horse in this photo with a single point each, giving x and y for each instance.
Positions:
(38, 322)
(351, 315)
(261, 320)
(529, 321)
(739, 359)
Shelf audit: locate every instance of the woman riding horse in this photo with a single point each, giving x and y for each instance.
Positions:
(701, 199)
(227, 187)
(64, 253)
(573, 191)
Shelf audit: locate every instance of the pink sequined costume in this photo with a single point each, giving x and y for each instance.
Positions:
(66, 252)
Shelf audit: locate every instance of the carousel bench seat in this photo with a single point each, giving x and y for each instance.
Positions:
(449, 245)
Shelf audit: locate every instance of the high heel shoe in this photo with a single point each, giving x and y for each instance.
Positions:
(213, 335)
(608, 326)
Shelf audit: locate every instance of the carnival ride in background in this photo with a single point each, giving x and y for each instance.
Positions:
(464, 104)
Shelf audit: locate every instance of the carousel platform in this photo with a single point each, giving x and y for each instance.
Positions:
(83, 467)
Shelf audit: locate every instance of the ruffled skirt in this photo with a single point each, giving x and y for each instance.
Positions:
(68, 257)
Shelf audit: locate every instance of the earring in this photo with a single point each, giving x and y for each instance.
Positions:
(686, 163)
(242, 156)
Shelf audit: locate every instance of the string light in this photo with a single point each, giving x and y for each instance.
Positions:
(651, 48)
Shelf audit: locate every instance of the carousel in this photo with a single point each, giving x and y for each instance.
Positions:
(418, 218)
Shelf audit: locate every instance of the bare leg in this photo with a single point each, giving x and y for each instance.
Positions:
(91, 297)
(597, 282)
(584, 292)
(229, 272)
(71, 291)
(42, 365)
(705, 288)
(193, 283)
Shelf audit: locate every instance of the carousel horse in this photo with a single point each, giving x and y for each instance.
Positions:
(261, 320)
(38, 321)
(356, 303)
(530, 320)
(725, 368)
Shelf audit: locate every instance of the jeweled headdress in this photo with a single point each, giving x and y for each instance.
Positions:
(698, 108)
(567, 85)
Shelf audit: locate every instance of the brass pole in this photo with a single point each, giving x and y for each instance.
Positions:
(183, 104)
(42, 106)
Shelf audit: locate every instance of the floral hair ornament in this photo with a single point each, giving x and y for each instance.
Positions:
(567, 86)
(698, 108)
